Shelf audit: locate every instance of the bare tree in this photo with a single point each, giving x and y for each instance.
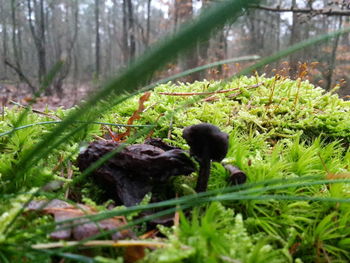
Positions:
(294, 38)
(125, 36)
(309, 10)
(36, 19)
(332, 60)
(97, 41)
(14, 35)
(128, 40)
(184, 13)
(64, 54)
(98, 37)
(4, 37)
(148, 28)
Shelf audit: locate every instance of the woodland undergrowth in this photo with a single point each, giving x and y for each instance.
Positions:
(289, 137)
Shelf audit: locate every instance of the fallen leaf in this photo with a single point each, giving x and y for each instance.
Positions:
(135, 116)
(134, 254)
(337, 176)
(80, 228)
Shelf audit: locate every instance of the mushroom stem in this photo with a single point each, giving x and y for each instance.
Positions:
(203, 176)
(207, 143)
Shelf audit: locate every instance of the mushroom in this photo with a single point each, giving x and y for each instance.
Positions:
(134, 171)
(207, 143)
(236, 176)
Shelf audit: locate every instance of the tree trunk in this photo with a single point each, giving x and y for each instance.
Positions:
(148, 28)
(4, 40)
(203, 47)
(68, 48)
(14, 35)
(189, 59)
(97, 40)
(37, 29)
(131, 29)
(333, 57)
(125, 35)
(128, 39)
(42, 43)
(294, 38)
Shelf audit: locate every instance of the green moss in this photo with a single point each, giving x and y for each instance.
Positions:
(277, 130)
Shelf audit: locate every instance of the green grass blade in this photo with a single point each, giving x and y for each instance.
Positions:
(49, 78)
(84, 122)
(141, 69)
(193, 200)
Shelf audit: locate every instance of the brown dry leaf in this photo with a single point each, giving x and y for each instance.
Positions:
(135, 116)
(331, 176)
(302, 70)
(150, 234)
(134, 254)
(211, 98)
(81, 228)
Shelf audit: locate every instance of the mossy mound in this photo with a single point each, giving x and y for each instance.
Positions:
(279, 108)
(284, 135)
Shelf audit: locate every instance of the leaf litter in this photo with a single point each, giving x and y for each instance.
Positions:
(81, 228)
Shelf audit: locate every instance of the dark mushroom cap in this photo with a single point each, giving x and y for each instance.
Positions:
(206, 141)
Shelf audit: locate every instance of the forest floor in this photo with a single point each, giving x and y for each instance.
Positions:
(11, 94)
(17, 93)
(289, 138)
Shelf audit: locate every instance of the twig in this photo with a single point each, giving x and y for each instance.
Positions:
(239, 93)
(54, 117)
(19, 73)
(69, 176)
(105, 243)
(206, 93)
(170, 126)
(322, 11)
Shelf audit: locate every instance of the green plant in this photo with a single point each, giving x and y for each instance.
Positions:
(279, 132)
(217, 235)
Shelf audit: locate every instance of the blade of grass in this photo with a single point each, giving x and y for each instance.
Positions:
(200, 68)
(201, 201)
(149, 87)
(192, 200)
(93, 101)
(142, 68)
(85, 122)
(109, 88)
(46, 82)
(103, 243)
(135, 75)
(109, 155)
(48, 79)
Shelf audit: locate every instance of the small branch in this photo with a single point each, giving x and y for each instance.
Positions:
(69, 176)
(207, 93)
(20, 74)
(54, 117)
(99, 243)
(323, 11)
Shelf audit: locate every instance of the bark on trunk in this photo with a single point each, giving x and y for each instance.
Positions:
(294, 38)
(333, 57)
(97, 38)
(189, 59)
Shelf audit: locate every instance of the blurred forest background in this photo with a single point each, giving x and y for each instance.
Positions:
(97, 38)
